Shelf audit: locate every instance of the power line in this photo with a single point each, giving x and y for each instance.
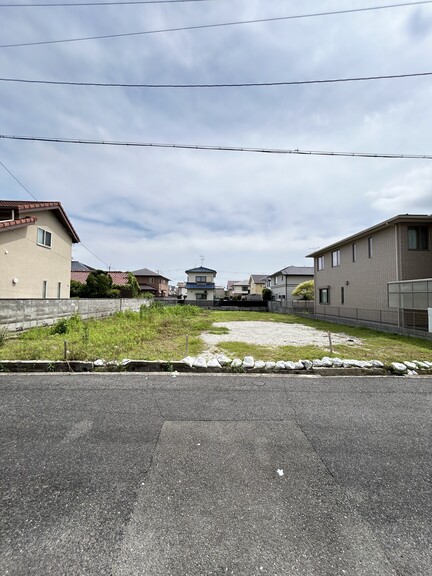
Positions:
(219, 25)
(20, 183)
(34, 198)
(78, 4)
(221, 148)
(225, 85)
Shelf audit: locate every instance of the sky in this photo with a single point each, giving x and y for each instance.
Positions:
(239, 213)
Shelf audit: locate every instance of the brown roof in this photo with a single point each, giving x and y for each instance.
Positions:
(22, 208)
(118, 278)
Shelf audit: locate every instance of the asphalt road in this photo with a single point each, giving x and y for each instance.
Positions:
(119, 474)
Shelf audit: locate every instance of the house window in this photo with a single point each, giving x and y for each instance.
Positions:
(370, 247)
(418, 238)
(59, 290)
(6, 215)
(44, 237)
(324, 295)
(275, 280)
(354, 252)
(45, 289)
(342, 295)
(320, 263)
(151, 280)
(335, 258)
(201, 279)
(201, 296)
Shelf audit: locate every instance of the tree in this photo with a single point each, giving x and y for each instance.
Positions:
(266, 294)
(133, 285)
(76, 289)
(99, 284)
(305, 290)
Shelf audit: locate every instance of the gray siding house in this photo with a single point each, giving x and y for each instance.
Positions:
(283, 282)
(356, 272)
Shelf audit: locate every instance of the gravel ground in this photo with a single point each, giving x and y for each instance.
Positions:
(275, 334)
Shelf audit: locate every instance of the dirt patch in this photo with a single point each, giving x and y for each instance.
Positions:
(276, 334)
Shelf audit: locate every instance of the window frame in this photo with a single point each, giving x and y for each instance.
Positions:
(201, 279)
(336, 258)
(370, 246)
(321, 293)
(354, 252)
(43, 237)
(320, 263)
(421, 238)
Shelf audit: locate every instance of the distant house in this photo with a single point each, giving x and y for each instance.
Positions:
(152, 282)
(35, 250)
(200, 284)
(283, 282)
(80, 267)
(257, 283)
(237, 288)
(375, 268)
(120, 279)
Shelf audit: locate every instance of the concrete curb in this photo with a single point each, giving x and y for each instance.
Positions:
(26, 366)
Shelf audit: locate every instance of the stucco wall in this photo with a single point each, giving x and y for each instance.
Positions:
(22, 259)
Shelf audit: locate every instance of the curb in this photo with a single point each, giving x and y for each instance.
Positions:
(26, 366)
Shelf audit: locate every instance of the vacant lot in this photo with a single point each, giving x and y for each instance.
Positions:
(170, 333)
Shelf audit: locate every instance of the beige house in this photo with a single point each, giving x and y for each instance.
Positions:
(35, 250)
(257, 283)
(200, 284)
(356, 272)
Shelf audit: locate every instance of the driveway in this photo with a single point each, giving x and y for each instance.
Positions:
(120, 474)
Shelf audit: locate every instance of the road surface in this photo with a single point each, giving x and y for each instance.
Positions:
(151, 474)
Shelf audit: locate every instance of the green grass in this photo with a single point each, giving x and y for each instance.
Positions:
(159, 333)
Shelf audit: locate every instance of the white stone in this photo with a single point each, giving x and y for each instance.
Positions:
(422, 365)
(236, 363)
(248, 362)
(299, 365)
(280, 365)
(200, 362)
(337, 363)
(125, 362)
(270, 365)
(99, 362)
(398, 368)
(307, 364)
(377, 364)
(260, 364)
(410, 365)
(317, 363)
(327, 362)
(428, 363)
(213, 363)
(189, 360)
(289, 365)
(223, 360)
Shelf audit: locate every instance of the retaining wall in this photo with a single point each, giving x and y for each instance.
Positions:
(19, 315)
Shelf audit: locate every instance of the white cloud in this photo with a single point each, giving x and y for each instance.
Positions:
(246, 213)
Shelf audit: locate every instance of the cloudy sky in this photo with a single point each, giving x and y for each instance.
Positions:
(240, 213)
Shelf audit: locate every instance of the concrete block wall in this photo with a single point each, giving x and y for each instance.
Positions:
(23, 314)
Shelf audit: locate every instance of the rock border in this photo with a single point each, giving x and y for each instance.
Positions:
(325, 366)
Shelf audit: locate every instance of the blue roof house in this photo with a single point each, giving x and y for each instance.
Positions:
(200, 284)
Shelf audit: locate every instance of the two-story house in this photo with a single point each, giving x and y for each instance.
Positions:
(237, 289)
(257, 283)
(200, 284)
(283, 282)
(35, 250)
(356, 271)
(152, 282)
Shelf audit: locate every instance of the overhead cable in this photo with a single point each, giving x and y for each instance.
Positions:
(220, 148)
(78, 4)
(222, 85)
(218, 25)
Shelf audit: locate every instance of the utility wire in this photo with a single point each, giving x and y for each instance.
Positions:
(221, 148)
(34, 198)
(227, 85)
(73, 4)
(219, 25)
(20, 183)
